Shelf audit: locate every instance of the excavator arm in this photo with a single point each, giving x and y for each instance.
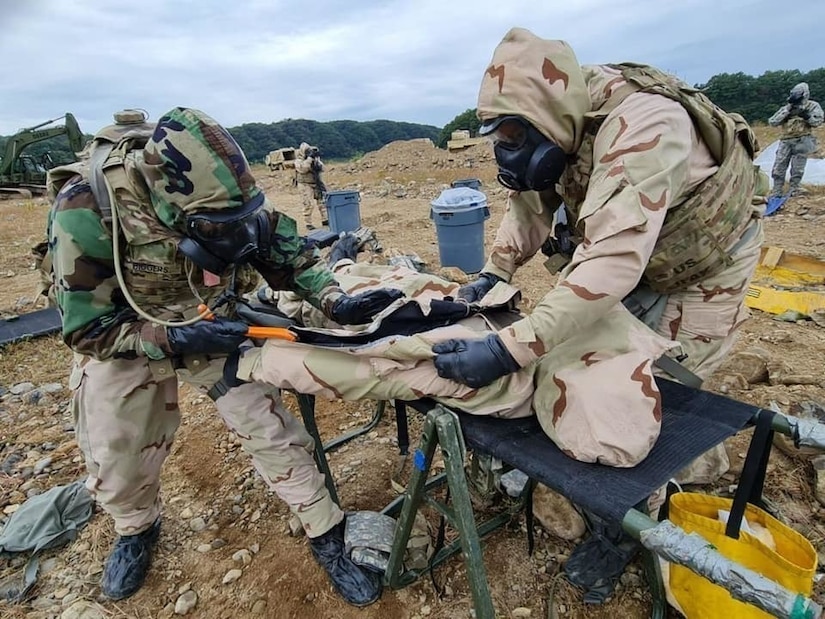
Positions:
(13, 174)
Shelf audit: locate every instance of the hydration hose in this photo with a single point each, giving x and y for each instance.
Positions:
(203, 314)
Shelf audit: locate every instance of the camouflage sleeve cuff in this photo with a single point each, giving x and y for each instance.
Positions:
(522, 342)
(328, 300)
(153, 341)
(491, 267)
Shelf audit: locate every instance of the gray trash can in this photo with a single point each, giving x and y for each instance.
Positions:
(459, 216)
(343, 210)
(472, 183)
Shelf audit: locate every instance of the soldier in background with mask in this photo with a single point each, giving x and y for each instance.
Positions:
(797, 117)
(164, 218)
(308, 168)
(657, 184)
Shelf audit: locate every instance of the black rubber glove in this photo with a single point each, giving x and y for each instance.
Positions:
(345, 247)
(474, 291)
(207, 337)
(360, 308)
(475, 363)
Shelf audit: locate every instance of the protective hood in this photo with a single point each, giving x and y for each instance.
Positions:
(801, 90)
(539, 80)
(303, 149)
(191, 164)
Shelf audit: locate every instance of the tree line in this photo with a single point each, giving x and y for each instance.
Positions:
(757, 98)
(338, 139)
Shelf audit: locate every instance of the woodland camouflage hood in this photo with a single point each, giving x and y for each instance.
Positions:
(539, 80)
(191, 164)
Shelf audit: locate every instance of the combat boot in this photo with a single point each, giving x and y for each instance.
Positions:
(356, 585)
(128, 563)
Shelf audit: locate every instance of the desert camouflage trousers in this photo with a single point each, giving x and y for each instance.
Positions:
(126, 414)
(310, 203)
(792, 152)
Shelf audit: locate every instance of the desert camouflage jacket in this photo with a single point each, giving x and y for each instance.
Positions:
(644, 158)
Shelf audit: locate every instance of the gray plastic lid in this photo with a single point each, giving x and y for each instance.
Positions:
(458, 198)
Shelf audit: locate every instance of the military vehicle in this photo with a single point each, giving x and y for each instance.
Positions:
(460, 139)
(281, 159)
(23, 175)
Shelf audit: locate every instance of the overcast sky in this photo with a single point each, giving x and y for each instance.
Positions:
(405, 60)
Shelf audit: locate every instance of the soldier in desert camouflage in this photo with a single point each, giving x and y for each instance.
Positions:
(658, 184)
(308, 168)
(183, 222)
(797, 117)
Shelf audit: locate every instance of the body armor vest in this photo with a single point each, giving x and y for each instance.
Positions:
(698, 234)
(161, 280)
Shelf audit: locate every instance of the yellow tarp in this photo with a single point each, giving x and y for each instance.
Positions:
(785, 281)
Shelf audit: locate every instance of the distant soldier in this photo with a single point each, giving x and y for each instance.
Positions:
(308, 168)
(797, 117)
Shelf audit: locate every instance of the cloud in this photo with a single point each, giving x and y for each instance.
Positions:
(262, 61)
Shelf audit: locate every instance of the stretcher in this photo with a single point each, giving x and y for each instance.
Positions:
(29, 325)
(693, 421)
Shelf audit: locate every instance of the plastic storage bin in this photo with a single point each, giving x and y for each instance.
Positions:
(472, 183)
(459, 216)
(343, 210)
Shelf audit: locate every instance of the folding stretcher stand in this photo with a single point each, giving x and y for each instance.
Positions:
(693, 421)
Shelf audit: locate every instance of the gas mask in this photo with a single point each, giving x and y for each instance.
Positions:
(217, 239)
(527, 161)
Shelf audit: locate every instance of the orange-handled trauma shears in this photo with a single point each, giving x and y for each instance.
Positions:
(254, 331)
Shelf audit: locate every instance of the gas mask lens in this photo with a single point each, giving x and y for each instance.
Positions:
(206, 228)
(510, 133)
(231, 237)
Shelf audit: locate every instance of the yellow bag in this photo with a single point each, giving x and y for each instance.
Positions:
(791, 562)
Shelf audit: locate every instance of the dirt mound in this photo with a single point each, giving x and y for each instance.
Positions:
(413, 154)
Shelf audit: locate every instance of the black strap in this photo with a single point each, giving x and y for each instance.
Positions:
(752, 479)
(402, 427)
(664, 510)
(218, 390)
(97, 180)
(439, 544)
(528, 517)
(678, 371)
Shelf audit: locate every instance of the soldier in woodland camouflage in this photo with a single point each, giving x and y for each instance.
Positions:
(308, 168)
(797, 117)
(659, 185)
(183, 222)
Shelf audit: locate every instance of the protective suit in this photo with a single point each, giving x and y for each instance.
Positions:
(797, 117)
(160, 219)
(308, 169)
(658, 186)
